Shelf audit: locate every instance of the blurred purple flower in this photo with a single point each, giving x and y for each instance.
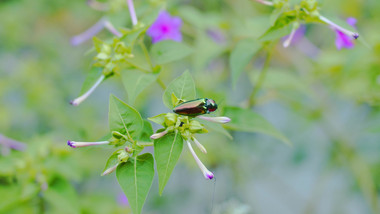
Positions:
(343, 40)
(165, 27)
(216, 35)
(8, 144)
(122, 199)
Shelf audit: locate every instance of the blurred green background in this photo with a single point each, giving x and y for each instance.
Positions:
(327, 105)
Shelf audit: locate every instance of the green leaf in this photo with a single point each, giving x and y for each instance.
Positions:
(112, 160)
(90, 80)
(183, 88)
(248, 121)
(61, 197)
(135, 178)
(135, 82)
(123, 118)
(241, 55)
(167, 150)
(130, 35)
(169, 51)
(276, 33)
(146, 132)
(275, 15)
(159, 119)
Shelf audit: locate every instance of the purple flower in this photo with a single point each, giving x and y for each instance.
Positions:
(8, 144)
(216, 35)
(344, 37)
(343, 40)
(165, 27)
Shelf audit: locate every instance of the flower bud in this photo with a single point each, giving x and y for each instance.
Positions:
(74, 144)
(206, 173)
(170, 119)
(110, 170)
(158, 135)
(123, 156)
(215, 119)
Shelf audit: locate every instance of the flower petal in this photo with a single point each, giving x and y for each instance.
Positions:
(206, 173)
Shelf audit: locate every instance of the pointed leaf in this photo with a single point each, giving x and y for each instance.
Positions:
(112, 160)
(147, 131)
(276, 32)
(123, 118)
(248, 121)
(135, 178)
(168, 51)
(183, 88)
(159, 119)
(60, 196)
(135, 82)
(241, 55)
(167, 150)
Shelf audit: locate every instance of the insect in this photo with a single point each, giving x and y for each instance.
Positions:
(196, 107)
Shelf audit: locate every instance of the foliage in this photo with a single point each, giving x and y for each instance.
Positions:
(248, 56)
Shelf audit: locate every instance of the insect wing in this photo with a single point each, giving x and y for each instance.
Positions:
(191, 108)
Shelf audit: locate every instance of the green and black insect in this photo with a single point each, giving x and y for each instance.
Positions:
(196, 107)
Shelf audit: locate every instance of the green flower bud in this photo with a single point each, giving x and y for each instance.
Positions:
(118, 135)
(195, 126)
(186, 134)
(123, 156)
(170, 119)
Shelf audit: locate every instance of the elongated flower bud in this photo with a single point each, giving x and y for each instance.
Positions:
(289, 38)
(110, 170)
(265, 2)
(80, 99)
(200, 146)
(337, 27)
(158, 135)
(132, 12)
(215, 119)
(92, 31)
(206, 173)
(75, 144)
(12, 144)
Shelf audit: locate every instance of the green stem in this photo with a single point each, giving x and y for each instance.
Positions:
(146, 53)
(144, 144)
(162, 84)
(148, 59)
(261, 79)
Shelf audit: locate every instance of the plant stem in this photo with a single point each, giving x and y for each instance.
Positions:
(261, 79)
(148, 59)
(162, 84)
(144, 144)
(146, 53)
